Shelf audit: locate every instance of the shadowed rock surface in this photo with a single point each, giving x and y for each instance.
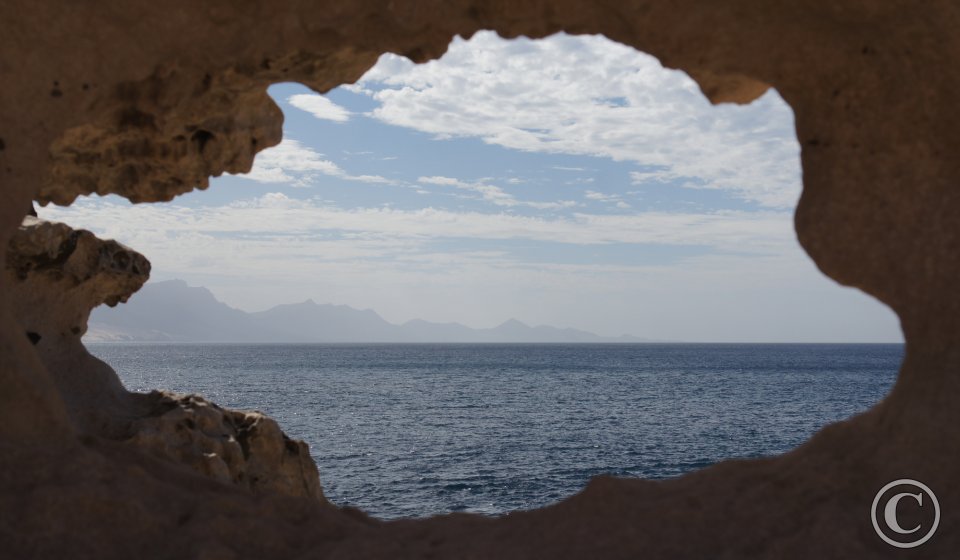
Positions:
(149, 99)
(56, 275)
(243, 448)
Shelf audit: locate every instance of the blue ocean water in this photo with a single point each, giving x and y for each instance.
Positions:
(416, 430)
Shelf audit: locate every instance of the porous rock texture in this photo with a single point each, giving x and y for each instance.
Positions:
(56, 275)
(146, 99)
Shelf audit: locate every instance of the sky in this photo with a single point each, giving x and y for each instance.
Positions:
(568, 181)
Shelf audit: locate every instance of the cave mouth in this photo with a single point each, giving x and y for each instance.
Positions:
(293, 185)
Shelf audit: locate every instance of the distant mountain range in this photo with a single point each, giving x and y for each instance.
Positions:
(172, 311)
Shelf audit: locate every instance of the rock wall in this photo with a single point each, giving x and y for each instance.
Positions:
(57, 275)
(149, 99)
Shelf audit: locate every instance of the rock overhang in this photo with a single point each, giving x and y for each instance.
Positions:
(148, 100)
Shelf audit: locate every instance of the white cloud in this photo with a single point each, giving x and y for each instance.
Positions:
(275, 214)
(273, 200)
(292, 163)
(445, 181)
(594, 195)
(319, 106)
(281, 163)
(728, 275)
(616, 200)
(276, 249)
(495, 194)
(554, 95)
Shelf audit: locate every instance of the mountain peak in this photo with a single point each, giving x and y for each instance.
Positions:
(172, 310)
(176, 282)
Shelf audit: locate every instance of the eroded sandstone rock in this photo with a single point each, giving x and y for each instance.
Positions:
(146, 99)
(57, 275)
(243, 448)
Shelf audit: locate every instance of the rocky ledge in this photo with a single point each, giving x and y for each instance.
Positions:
(57, 275)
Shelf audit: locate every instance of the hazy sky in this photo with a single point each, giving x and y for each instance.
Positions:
(570, 181)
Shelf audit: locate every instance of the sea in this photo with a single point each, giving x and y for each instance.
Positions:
(414, 430)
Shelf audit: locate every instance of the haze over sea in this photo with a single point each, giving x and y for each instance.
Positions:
(422, 429)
